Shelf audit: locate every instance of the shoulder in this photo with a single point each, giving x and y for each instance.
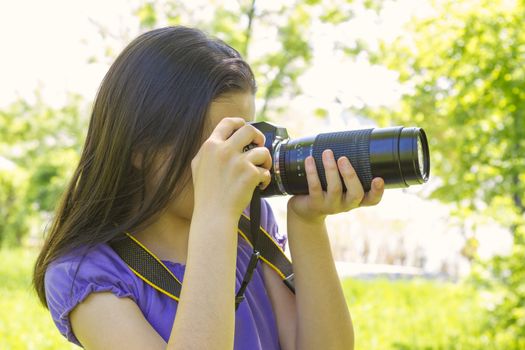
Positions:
(97, 265)
(70, 279)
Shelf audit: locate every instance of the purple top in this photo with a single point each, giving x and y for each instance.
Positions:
(102, 270)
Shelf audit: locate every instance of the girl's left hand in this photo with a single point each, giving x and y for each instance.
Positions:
(315, 206)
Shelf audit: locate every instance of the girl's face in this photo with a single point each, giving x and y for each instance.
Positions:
(239, 104)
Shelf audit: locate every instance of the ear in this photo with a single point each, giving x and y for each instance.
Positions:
(137, 159)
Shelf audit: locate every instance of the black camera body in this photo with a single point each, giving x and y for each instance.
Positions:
(399, 155)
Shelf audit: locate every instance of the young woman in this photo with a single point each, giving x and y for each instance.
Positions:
(164, 162)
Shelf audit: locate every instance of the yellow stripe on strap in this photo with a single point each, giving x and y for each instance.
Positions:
(153, 255)
(262, 257)
(269, 236)
(154, 285)
(176, 298)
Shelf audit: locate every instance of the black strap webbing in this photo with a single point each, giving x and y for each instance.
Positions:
(147, 266)
(152, 271)
(255, 214)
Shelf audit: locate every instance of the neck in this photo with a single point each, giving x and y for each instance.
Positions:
(167, 237)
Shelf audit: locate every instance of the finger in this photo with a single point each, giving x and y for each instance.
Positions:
(246, 135)
(375, 194)
(334, 187)
(259, 156)
(265, 178)
(226, 127)
(354, 189)
(315, 190)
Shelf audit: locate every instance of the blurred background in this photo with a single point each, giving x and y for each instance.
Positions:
(436, 266)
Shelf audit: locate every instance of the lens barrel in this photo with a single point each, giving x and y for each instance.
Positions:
(399, 155)
(396, 155)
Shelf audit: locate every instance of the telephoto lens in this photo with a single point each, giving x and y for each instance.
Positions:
(399, 155)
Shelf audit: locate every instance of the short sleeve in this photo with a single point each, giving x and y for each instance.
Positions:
(270, 224)
(71, 279)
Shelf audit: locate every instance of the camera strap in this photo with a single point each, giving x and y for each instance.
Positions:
(148, 267)
(255, 218)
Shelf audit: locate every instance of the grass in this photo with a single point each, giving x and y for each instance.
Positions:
(401, 315)
(418, 314)
(24, 322)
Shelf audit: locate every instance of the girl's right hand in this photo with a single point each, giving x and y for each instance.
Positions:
(224, 176)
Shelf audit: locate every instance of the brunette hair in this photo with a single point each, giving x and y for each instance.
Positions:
(154, 97)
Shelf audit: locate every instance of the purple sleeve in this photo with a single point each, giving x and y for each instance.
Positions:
(70, 279)
(270, 225)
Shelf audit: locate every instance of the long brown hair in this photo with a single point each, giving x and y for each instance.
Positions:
(154, 97)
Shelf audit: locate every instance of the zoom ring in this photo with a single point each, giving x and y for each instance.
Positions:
(353, 144)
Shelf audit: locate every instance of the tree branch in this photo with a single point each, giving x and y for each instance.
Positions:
(251, 14)
(271, 88)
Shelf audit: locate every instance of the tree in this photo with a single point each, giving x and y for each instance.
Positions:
(41, 144)
(464, 76)
(286, 26)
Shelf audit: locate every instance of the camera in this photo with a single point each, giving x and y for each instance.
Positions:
(399, 155)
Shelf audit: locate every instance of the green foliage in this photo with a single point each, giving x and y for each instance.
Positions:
(467, 90)
(13, 219)
(503, 278)
(338, 11)
(417, 315)
(465, 80)
(146, 14)
(400, 315)
(24, 323)
(42, 145)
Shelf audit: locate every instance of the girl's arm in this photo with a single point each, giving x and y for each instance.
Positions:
(205, 314)
(319, 315)
(223, 178)
(323, 318)
(206, 311)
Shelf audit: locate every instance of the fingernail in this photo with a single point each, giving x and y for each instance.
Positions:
(378, 185)
(346, 163)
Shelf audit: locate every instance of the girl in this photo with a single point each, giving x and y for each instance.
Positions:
(164, 162)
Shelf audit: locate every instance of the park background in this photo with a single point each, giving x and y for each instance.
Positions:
(436, 266)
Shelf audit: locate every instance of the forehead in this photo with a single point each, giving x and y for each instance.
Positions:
(241, 104)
